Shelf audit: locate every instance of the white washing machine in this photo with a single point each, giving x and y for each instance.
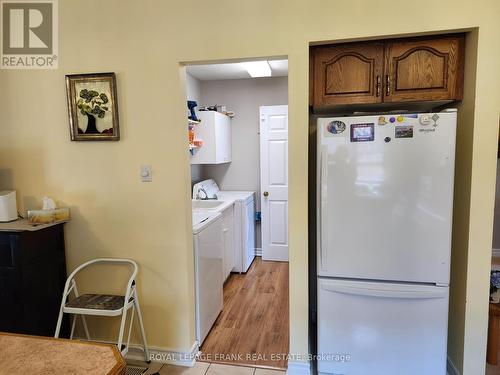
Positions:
(244, 219)
(208, 255)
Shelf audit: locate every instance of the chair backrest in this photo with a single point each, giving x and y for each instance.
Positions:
(130, 262)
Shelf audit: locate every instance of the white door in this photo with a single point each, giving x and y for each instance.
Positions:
(381, 328)
(274, 181)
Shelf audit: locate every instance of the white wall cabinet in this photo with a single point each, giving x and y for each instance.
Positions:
(228, 236)
(215, 131)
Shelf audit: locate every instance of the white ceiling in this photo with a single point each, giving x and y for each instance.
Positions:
(212, 72)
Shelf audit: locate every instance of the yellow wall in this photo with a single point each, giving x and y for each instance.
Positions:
(460, 241)
(143, 42)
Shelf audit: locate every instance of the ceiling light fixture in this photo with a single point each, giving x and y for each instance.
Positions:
(258, 68)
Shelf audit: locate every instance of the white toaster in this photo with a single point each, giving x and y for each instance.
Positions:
(8, 206)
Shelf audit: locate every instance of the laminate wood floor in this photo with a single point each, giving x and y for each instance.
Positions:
(252, 328)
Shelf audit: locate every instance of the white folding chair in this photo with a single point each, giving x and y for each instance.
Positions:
(103, 304)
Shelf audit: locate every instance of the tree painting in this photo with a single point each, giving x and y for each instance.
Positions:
(91, 104)
(92, 107)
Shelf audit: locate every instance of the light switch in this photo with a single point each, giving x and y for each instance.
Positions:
(146, 174)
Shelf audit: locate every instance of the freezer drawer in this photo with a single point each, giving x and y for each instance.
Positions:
(381, 328)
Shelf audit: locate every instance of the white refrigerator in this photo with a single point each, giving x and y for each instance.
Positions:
(385, 198)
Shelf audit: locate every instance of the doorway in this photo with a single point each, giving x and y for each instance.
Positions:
(238, 124)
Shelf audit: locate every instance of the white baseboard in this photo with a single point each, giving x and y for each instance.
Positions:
(258, 251)
(495, 253)
(451, 368)
(298, 368)
(163, 355)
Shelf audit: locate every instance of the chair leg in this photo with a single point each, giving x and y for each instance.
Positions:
(131, 322)
(59, 322)
(73, 327)
(141, 326)
(122, 329)
(85, 327)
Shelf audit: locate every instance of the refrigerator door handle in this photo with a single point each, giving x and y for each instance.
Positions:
(387, 292)
(323, 201)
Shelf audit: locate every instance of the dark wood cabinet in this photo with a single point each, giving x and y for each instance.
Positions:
(348, 73)
(424, 69)
(390, 71)
(32, 277)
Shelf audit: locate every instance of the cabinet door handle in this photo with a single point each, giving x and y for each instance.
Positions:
(377, 86)
(265, 194)
(387, 85)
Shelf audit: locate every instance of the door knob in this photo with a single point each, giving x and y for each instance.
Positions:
(266, 194)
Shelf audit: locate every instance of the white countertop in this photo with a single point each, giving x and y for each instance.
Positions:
(22, 225)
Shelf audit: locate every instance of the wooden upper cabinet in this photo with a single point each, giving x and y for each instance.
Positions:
(348, 74)
(389, 71)
(424, 69)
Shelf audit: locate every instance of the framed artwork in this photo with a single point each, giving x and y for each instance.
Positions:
(93, 107)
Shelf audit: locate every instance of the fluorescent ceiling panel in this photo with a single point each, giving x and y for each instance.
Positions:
(210, 72)
(258, 68)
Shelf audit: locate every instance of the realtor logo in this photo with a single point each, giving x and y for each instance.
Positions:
(29, 34)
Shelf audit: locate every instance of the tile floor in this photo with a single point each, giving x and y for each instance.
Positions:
(205, 368)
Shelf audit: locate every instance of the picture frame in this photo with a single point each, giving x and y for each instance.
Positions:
(93, 107)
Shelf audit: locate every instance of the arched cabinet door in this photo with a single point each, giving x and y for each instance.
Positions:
(424, 69)
(348, 74)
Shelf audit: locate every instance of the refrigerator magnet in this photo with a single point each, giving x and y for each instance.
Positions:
(335, 127)
(362, 132)
(404, 132)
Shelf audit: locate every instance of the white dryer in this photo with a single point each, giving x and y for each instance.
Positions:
(244, 219)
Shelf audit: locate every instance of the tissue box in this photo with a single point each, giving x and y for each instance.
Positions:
(48, 216)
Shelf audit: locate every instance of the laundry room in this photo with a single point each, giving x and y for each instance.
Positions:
(238, 143)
